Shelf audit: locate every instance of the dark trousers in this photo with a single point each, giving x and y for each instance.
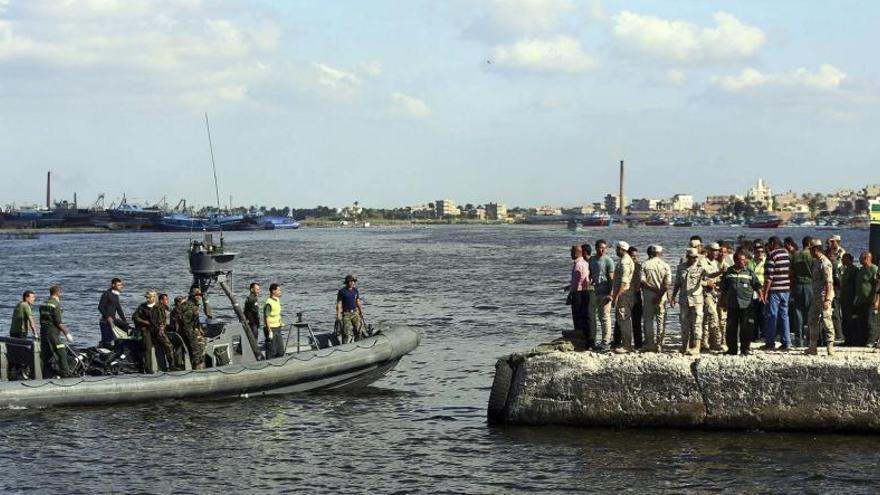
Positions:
(801, 298)
(837, 317)
(51, 345)
(851, 334)
(107, 336)
(580, 315)
(275, 345)
(739, 325)
(759, 317)
(864, 331)
(638, 340)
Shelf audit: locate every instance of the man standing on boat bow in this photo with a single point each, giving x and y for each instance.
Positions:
(349, 311)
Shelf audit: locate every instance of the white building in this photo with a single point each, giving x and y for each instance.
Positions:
(496, 211)
(682, 202)
(760, 196)
(445, 208)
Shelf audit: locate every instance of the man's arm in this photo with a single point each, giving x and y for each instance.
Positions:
(338, 309)
(360, 306)
(139, 319)
(56, 315)
(266, 310)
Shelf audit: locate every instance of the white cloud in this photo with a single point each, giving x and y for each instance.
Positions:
(826, 78)
(336, 80)
(678, 42)
(410, 105)
(561, 54)
(372, 68)
(507, 19)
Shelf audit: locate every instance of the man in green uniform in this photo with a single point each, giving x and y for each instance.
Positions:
(23, 317)
(863, 303)
(186, 316)
(823, 295)
(801, 289)
(51, 328)
(252, 309)
(150, 319)
(737, 287)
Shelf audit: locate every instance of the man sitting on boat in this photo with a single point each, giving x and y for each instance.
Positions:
(349, 312)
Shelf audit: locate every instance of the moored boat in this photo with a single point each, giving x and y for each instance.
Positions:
(656, 221)
(764, 222)
(280, 223)
(597, 220)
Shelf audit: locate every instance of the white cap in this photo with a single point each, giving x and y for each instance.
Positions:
(692, 253)
(714, 246)
(623, 245)
(835, 237)
(658, 248)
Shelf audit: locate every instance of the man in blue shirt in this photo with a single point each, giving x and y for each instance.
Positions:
(349, 312)
(601, 278)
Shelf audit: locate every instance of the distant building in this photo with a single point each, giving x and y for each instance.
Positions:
(496, 211)
(760, 196)
(785, 201)
(445, 208)
(872, 191)
(547, 211)
(578, 210)
(612, 204)
(644, 204)
(682, 202)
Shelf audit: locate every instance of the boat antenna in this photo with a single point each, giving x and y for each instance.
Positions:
(214, 166)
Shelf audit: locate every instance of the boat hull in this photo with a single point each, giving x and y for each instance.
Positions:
(345, 366)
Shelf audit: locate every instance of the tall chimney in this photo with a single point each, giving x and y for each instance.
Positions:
(48, 190)
(620, 198)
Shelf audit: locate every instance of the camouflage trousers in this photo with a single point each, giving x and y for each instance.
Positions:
(691, 318)
(654, 321)
(711, 323)
(195, 341)
(157, 336)
(821, 322)
(349, 327)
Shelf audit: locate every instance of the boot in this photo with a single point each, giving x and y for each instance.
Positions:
(811, 351)
(831, 351)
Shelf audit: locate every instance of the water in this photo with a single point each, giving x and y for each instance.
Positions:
(475, 293)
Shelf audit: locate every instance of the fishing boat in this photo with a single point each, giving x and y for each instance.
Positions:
(656, 221)
(31, 217)
(182, 222)
(764, 222)
(130, 216)
(597, 220)
(234, 364)
(682, 222)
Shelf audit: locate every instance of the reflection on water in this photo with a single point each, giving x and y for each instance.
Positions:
(475, 293)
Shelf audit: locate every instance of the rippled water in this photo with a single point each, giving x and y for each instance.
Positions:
(475, 293)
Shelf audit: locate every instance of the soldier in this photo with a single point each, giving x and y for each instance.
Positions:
(711, 329)
(273, 324)
(186, 316)
(350, 310)
(656, 280)
(51, 328)
(23, 317)
(150, 319)
(852, 336)
(802, 291)
(622, 296)
(252, 309)
(689, 281)
(725, 261)
(737, 287)
(820, 320)
(863, 302)
(835, 253)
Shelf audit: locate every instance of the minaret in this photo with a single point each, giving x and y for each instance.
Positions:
(620, 197)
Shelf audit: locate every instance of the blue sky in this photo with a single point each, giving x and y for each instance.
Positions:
(402, 102)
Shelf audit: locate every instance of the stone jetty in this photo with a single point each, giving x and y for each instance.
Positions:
(553, 384)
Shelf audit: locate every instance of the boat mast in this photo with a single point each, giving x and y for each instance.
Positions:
(214, 166)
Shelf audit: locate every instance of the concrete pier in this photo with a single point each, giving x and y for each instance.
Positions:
(552, 384)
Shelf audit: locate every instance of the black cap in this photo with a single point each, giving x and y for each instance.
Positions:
(350, 278)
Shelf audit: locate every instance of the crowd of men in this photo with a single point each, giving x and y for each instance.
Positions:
(728, 296)
(155, 318)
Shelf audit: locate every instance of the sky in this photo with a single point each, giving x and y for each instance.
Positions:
(395, 103)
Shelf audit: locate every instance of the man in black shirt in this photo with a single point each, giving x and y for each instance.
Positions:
(252, 309)
(110, 309)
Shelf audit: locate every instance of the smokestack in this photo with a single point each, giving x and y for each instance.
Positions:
(75, 206)
(48, 190)
(620, 198)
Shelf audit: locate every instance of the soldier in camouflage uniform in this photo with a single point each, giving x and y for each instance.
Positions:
(711, 324)
(688, 282)
(150, 318)
(834, 253)
(820, 316)
(186, 318)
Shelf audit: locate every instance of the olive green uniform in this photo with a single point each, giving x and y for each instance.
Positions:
(186, 317)
(711, 326)
(151, 321)
(21, 318)
(50, 336)
(820, 319)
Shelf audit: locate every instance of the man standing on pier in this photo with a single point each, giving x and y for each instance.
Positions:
(601, 277)
(801, 290)
(834, 253)
(737, 287)
(777, 286)
(656, 281)
(622, 297)
(689, 283)
(578, 295)
(863, 302)
(110, 308)
(823, 296)
(711, 327)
